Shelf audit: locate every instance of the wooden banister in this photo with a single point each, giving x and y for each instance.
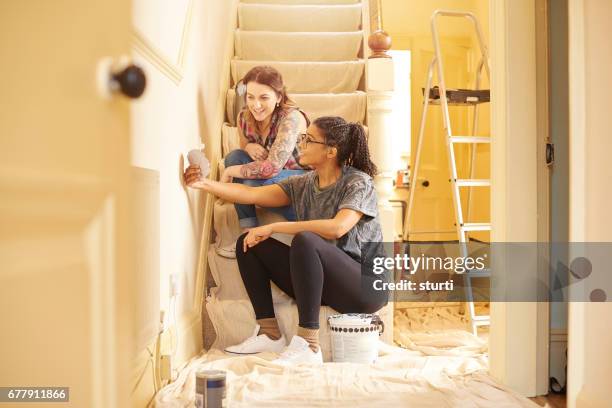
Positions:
(379, 40)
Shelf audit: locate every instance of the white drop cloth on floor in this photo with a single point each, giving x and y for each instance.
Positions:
(446, 369)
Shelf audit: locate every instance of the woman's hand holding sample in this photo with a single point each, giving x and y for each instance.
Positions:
(193, 177)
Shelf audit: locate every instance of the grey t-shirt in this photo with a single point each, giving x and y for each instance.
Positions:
(354, 190)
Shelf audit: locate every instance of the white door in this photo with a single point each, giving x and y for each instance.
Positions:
(64, 202)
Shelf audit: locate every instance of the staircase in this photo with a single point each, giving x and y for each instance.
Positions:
(318, 47)
(315, 47)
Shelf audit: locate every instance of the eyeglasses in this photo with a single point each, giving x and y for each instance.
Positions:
(305, 139)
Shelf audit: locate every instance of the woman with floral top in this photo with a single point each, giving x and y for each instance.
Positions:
(268, 126)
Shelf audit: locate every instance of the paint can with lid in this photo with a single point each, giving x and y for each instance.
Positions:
(355, 337)
(210, 389)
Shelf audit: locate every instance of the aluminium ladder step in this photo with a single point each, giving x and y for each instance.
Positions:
(483, 322)
(473, 183)
(450, 103)
(470, 139)
(476, 226)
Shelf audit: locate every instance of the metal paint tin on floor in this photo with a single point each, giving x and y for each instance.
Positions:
(210, 389)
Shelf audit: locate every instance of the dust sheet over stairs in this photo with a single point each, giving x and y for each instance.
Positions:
(291, 46)
(309, 76)
(280, 17)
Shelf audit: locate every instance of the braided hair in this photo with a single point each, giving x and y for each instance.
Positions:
(350, 140)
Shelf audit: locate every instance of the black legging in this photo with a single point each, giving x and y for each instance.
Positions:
(312, 271)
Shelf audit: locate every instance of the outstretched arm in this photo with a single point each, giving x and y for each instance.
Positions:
(264, 196)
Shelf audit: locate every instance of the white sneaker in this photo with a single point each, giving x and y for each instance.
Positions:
(298, 352)
(258, 344)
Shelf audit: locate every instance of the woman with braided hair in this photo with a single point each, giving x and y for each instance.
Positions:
(337, 214)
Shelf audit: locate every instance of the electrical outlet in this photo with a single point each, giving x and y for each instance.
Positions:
(165, 367)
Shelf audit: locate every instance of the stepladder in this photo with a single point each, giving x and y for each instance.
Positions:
(442, 96)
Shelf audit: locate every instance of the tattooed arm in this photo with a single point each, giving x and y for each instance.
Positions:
(282, 149)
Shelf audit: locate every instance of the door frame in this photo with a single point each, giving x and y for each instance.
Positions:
(519, 331)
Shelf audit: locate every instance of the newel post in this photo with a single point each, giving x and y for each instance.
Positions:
(379, 42)
(379, 85)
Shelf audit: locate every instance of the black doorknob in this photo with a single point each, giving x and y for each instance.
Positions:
(132, 81)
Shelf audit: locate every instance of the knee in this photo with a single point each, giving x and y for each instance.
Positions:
(236, 157)
(305, 239)
(374, 307)
(373, 302)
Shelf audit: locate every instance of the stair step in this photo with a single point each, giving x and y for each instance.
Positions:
(350, 106)
(230, 139)
(325, 46)
(299, 18)
(309, 77)
(470, 139)
(301, 1)
(476, 226)
(473, 183)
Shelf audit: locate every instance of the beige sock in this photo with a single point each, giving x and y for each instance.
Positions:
(269, 327)
(311, 336)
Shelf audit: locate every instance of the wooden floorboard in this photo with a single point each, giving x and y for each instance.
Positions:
(551, 401)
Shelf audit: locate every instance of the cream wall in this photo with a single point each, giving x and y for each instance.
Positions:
(590, 326)
(186, 58)
(412, 17)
